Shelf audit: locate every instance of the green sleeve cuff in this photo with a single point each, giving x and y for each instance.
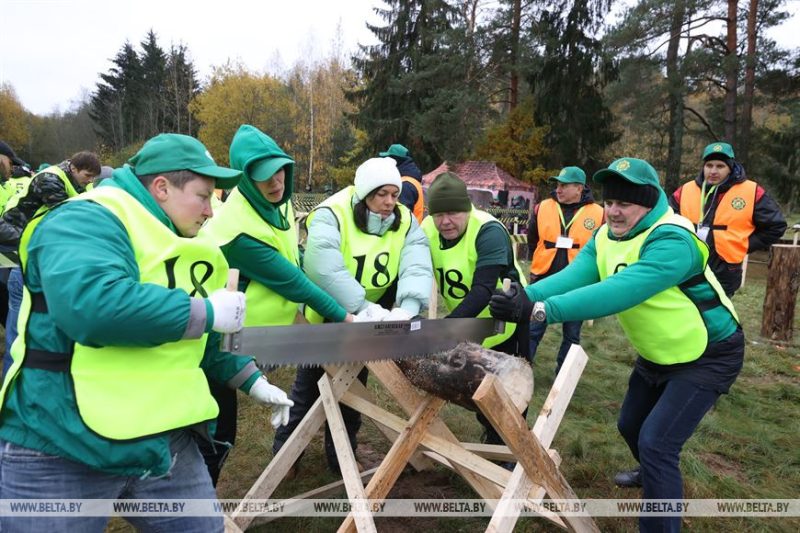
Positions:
(248, 384)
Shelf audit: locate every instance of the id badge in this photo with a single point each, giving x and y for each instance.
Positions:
(702, 232)
(564, 242)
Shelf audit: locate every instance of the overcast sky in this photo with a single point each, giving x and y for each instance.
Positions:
(51, 51)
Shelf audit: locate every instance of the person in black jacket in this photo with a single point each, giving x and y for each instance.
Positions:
(411, 194)
(733, 215)
(47, 188)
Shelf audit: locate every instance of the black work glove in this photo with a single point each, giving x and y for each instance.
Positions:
(511, 306)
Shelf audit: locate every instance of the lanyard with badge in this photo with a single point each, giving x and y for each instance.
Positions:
(563, 241)
(702, 227)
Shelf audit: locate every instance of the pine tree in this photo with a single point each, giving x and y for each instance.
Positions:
(144, 93)
(567, 81)
(153, 86)
(181, 86)
(388, 97)
(117, 103)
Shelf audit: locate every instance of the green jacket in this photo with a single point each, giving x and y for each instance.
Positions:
(80, 257)
(668, 257)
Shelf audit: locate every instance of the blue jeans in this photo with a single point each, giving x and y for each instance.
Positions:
(571, 334)
(14, 285)
(656, 421)
(29, 474)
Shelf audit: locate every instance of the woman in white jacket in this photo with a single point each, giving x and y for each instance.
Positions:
(369, 253)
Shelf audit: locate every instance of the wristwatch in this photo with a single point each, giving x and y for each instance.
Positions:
(538, 314)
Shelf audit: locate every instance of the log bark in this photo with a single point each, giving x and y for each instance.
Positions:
(455, 375)
(783, 280)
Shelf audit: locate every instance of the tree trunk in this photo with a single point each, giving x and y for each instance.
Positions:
(455, 375)
(515, 25)
(743, 146)
(783, 280)
(731, 65)
(675, 86)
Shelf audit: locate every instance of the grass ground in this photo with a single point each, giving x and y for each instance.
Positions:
(746, 447)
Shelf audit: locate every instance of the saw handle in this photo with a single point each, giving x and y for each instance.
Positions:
(499, 325)
(231, 341)
(233, 280)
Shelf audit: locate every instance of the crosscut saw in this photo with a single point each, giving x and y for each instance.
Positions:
(337, 343)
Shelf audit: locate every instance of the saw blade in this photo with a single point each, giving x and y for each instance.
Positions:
(337, 343)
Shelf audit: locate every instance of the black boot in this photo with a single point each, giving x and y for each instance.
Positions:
(629, 478)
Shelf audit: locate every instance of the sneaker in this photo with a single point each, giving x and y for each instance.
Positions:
(629, 478)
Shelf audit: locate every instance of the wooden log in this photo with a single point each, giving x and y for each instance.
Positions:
(783, 280)
(455, 375)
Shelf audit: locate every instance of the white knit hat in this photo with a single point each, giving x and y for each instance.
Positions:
(375, 173)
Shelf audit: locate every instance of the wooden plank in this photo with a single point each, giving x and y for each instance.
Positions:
(324, 491)
(397, 457)
(744, 269)
(418, 461)
(230, 526)
(409, 397)
(433, 301)
(452, 450)
(497, 406)
(280, 464)
(347, 461)
(493, 452)
(557, 401)
(550, 417)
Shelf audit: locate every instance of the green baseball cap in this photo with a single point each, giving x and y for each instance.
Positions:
(571, 175)
(637, 171)
(169, 152)
(397, 150)
(717, 149)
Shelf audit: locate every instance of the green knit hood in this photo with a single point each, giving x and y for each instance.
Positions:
(259, 157)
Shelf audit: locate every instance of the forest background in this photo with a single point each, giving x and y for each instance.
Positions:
(531, 85)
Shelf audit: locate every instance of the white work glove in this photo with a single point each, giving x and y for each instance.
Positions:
(372, 313)
(229, 308)
(265, 392)
(398, 313)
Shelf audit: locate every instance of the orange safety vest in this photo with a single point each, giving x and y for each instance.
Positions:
(733, 219)
(548, 222)
(418, 208)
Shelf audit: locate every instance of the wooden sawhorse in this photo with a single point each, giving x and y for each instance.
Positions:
(535, 475)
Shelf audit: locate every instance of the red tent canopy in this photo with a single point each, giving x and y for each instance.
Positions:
(482, 175)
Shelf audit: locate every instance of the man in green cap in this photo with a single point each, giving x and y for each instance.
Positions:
(120, 331)
(647, 266)
(471, 253)
(732, 214)
(411, 194)
(559, 227)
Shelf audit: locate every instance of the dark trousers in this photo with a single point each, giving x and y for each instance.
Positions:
(215, 454)
(14, 286)
(656, 421)
(571, 334)
(305, 392)
(730, 277)
(728, 274)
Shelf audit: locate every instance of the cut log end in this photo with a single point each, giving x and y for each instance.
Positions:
(456, 374)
